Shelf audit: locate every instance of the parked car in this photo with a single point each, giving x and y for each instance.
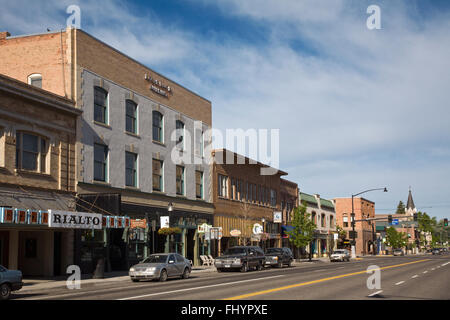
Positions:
(10, 280)
(398, 252)
(242, 258)
(436, 251)
(161, 266)
(277, 257)
(340, 255)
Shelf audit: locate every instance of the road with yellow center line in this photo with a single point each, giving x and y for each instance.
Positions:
(253, 294)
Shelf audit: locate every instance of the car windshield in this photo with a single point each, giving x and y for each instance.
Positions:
(157, 258)
(232, 251)
(273, 250)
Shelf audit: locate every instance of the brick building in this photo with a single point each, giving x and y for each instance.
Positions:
(37, 173)
(244, 199)
(289, 201)
(363, 209)
(135, 122)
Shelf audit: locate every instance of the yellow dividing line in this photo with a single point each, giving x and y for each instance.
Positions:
(316, 281)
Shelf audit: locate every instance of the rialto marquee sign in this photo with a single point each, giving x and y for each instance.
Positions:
(74, 220)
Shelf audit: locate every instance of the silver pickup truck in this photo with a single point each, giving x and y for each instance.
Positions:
(10, 280)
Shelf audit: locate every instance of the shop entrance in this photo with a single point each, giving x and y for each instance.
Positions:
(117, 250)
(190, 244)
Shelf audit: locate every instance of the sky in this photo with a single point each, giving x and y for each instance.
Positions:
(357, 109)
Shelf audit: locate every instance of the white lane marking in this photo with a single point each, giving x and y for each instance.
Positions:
(414, 276)
(196, 288)
(425, 271)
(375, 293)
(398, 283)
(445, 264)
(432, 269)
(438, 267)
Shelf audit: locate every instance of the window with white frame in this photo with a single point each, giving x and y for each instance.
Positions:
(345, 220)
(31, 152)
(158, 170)
(199, 184)
(199, 142)
(222, 186)
(131, 116)
(35, 80)
(100, 162)
(157, 119)
(180, 180)
(179, 135)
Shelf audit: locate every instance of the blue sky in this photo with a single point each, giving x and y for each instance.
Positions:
(357, 109)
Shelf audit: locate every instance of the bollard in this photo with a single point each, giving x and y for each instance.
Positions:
(99, 272)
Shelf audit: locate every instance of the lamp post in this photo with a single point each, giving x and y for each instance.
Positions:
(263, 241)
(353, 219)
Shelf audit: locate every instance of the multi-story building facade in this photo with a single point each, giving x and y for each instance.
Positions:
(323, 215)
(143, 141)
(289, 201)
(37, 174)
(245, 201)
(363, 209)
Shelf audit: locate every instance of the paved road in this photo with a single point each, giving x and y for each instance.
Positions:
(408, 277)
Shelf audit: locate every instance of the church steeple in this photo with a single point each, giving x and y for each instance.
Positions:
(410, 207)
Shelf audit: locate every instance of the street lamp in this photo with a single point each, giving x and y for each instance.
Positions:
(353, 218)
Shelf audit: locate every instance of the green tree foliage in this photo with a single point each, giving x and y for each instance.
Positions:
(302, 233)
(341, 232)
(396, 239)
(400, 208)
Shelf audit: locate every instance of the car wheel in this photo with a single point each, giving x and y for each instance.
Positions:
(289, 263)
(280, 264)
(244, 267)
(259, 267)
(135, 280)
(163, 275)
(219, 270)
(186, 273)
(5, 291)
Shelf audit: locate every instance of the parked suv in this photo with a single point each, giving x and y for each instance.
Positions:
(10, 280)
(277, 257)
(242, 258)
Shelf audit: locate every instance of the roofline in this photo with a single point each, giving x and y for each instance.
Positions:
(20, 88)
(140, 63)
(109, 46)
(354, 198)
(283, 173)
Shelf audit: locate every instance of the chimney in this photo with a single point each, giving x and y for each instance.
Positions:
(4, 35)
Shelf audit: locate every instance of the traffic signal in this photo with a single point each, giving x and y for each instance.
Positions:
(445, 222)
(415, 216)
(390, 219)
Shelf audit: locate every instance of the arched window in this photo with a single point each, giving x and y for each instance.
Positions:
(180, 134)
(100, 105)
(35, 80)
(131, 116)
(31, 152)
(157, 126)
(323, 222)
(331, 222)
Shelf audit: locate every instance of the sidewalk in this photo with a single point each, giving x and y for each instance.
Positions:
(32, 284)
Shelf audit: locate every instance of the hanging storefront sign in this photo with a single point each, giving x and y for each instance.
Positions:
(138, 223)
(235, 233)
(165, 222)
(257, 228)
(22, 216)
(6, 215)
(277, 218)
(74, 220)
(203, 228)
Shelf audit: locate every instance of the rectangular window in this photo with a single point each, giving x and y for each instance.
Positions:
(180, 180)
(273, 198)
(222, 186)
(179, 135)
(199, 184)
(100, 162)
(157, 126)
(131, 116)
(157, 175)
(31, 152)
(345, 221)
(131, 169)
(100, 105)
